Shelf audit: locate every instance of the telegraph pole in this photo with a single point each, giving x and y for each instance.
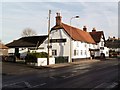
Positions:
(48, 37)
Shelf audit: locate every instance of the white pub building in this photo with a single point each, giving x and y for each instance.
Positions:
(68, 41)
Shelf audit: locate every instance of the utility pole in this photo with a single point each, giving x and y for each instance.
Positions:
(48, 37)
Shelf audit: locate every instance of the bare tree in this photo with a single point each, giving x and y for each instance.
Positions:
(28, 32)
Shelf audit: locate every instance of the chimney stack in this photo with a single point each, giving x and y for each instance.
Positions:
(94, 30)
(84, 28)
(58, 19)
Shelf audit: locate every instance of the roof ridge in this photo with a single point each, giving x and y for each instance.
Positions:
(96, 31)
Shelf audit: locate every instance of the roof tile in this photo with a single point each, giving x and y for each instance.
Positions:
(75, 33)
(97, 35)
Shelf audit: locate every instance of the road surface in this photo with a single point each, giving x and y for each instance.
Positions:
(102, 74)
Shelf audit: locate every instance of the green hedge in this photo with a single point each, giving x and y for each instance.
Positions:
(40, 55)
(61, 59)
(32, 57)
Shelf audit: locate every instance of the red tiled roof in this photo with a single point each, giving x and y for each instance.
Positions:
(3, 46)
(75, 33)
(96, 35)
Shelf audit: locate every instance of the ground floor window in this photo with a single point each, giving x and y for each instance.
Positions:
(54, 52)
(85, 52)
(76, 52)
(107, 52)
(81, 52)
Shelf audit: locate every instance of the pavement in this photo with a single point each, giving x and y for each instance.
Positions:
(73, 63)
(82, 61)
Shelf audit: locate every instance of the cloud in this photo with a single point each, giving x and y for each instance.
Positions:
(103, 18)
(17, 16)
(60, 1)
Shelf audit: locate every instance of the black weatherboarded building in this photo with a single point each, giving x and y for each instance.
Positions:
(26, 42)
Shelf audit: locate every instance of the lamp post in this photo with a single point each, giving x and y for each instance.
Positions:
(71, 38)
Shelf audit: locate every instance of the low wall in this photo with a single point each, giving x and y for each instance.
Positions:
(43, 61)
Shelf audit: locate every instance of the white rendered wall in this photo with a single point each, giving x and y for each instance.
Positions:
(105, 50)
(11, 50)
(43, 61)
(63, 49)
(83, 49)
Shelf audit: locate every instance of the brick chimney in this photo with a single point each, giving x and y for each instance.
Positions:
(84, 28)
(58, 19)
(94, 30)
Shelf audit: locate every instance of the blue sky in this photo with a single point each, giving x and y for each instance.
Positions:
(16, 16)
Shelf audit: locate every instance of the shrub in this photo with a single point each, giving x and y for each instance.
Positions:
(61, 59)
(32, 57)
(41, 55)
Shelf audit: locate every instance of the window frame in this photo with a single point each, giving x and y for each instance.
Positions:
(54, 52)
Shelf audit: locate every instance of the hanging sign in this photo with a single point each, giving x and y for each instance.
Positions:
(57, 40)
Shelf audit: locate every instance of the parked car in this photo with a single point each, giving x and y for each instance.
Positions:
(10, 58)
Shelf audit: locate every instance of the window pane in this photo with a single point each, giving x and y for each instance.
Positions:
(54, 52)
(74, 52)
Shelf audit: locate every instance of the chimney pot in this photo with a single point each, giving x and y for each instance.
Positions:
(58, 14)
(94, 30)
(84, 28)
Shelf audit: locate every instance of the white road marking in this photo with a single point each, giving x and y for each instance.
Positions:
(72, 75)
(39, 85)
(53, 78)
(112, 85)
(67, 77)
(106, 85)
(27, 84)
(100, 86)
(74, 71)
(12, 83)
(43, 84)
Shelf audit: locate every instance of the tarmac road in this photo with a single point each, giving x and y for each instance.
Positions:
(92, 75)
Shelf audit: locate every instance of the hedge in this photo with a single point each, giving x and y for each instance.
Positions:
(32, 57)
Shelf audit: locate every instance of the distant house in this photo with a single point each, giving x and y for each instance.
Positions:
(99, 38)
(23, 45)
(3, 50)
